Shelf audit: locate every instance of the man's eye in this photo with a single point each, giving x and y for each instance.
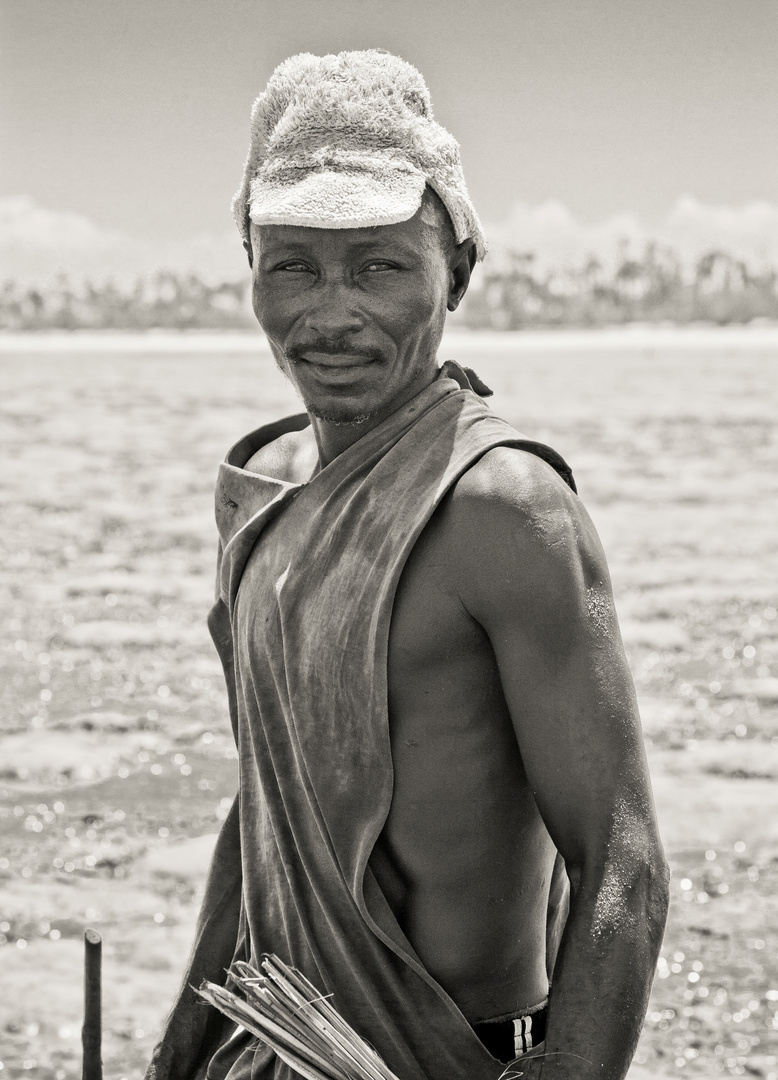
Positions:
(379, 265)
(295, 267)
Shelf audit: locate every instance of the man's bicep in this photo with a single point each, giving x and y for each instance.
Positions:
(542, 594)
(581, 747)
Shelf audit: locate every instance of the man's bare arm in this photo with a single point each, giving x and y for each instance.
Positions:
(534, 576)
(193, 1031)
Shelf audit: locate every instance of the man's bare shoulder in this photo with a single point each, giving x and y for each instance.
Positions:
(517, 533)
(511, 475)
(514, 489)
(292, 457)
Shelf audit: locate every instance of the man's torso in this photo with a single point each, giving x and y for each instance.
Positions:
(464, 859)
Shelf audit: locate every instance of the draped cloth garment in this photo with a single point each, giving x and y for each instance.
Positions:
(307, 578)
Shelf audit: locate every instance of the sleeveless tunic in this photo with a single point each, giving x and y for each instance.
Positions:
(308, 574)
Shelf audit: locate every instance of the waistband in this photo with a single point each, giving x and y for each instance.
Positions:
(507, 1038)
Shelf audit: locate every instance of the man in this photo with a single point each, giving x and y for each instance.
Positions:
(427, 684)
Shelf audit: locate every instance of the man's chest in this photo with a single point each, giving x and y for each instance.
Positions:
(436, 649)
(434, 645)
(446, 706)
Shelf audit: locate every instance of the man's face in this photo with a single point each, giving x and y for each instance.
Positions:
(354, 316)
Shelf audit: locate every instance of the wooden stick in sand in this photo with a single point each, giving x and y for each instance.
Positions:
(91, 1033)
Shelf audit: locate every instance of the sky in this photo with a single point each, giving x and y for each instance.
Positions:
(124, 124)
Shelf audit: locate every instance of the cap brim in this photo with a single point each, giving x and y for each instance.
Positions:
(329, 199)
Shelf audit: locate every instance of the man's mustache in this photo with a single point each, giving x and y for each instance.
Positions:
(327, 347)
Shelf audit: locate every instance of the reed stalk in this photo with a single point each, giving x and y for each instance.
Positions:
(286, 1011)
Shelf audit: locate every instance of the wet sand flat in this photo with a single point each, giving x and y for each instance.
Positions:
(116, 759)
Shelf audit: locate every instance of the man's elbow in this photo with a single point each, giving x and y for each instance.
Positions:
(630, 897)
(646, 897)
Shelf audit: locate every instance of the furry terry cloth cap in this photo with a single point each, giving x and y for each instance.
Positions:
(348, 142)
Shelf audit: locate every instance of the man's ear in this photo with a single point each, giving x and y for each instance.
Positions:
(249, 253)
(461, 265)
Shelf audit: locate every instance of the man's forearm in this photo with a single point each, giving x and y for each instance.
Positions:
(192, 1030)
(602, 978)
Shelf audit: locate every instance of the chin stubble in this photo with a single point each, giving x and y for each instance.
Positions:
(337, 420)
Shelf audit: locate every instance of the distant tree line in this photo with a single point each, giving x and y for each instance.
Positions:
(512, 294)
(166, 300)
(653, 288)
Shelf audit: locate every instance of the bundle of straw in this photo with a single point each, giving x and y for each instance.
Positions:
(286, 1011)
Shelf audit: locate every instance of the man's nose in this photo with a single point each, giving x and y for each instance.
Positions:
(335, 310)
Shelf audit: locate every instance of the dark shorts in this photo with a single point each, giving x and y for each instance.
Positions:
(507, 1038)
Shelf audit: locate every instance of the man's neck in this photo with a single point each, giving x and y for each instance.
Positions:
(333, 438)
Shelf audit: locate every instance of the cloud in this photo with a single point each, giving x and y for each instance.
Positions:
(558, 239)
(749, 232)
(38, 244)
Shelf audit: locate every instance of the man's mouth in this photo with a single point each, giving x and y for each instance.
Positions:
(337, 361)
(330, 357)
